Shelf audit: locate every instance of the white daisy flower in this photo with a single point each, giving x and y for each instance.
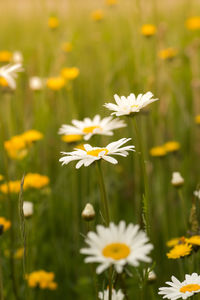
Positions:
(89, 154)
(88, 127)
(117, 245)
(131, 104)
(9, 72)
(116, 295)
(181, 290)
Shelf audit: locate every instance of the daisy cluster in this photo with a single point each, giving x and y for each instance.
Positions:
(115, 245)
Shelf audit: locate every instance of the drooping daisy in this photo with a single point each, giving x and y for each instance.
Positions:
(88, 127)
(117, 245)
(90, 154)
(116, 295)
(9, 73)
(131, 104)
(181, 290)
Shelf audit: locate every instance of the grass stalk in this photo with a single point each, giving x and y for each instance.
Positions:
(145, 211)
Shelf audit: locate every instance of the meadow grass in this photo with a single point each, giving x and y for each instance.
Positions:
(113, 57)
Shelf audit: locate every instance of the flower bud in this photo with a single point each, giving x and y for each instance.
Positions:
(27, 209)
(177, 179)
(197, 194)
(88, 214)
(35, 83)
(152, 276)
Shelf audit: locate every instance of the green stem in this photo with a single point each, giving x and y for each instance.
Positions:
(145, 178)
(104, 199)
(183, 208)
(11, 216)
(1, 280)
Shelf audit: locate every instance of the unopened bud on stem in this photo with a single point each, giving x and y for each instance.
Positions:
(88, 214)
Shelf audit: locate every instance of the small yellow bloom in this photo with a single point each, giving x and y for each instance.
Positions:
(194, 240)
(173, 242)
(53, 22)
(111, 2)
(5, 223)
(16, 147)
(176, 241)
(1, 177)
(158, 151)
(148, 30)
(71, 138)
(197, 119)
(19, 253)
(31, 136)
(193, 23)
(70, 73)
(35, 181)
(3, 82)
(179, 251)
(172, 146)
(41, 279)
(168, 54)
(66, 47)
(97, 15)
(5, 56)
(11, 187)
(55, 83)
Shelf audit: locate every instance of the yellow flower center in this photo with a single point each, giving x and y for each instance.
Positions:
(116, 251)
(95, 152)
(91, 129)
(190, 288)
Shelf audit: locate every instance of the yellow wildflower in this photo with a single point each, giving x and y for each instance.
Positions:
(66, 47)
(11, 187)
(1, 177)
(97, 15)
(180, 250)
(5, 223)
(5, 56)
(148, 30)
(3, 82)
(55, 83)
(197, 119)
(167, 54)
(53, 22)
(158, 151)
(71, 138)
(19, 253)
(35, 181)
(172, 146)
(194, 240)
(193, 23)
(32, 136)
(111, 2)
(41, 279)
(175, 241)
(16, 147)
(70, 73)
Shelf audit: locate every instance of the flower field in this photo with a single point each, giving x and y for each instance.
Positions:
(100, 150)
